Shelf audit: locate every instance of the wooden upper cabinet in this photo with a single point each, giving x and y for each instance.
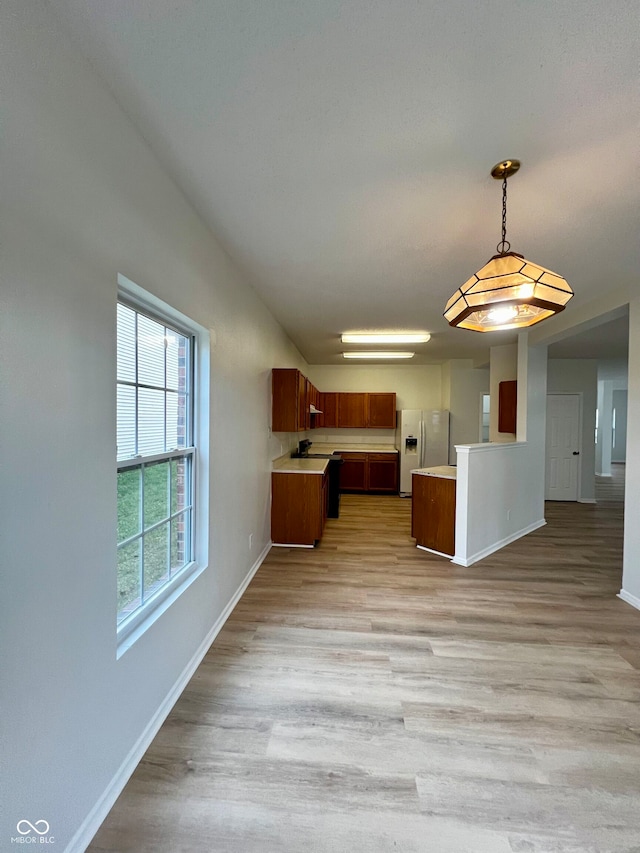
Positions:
(507, 406)
(290, 400)
(373, 411)
(329, 408)
(352, 409)
(314, 400)
(381, 411)
(293, 396)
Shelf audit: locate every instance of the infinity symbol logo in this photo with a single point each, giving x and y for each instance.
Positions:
(33, 827)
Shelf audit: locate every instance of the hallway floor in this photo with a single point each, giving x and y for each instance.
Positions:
(369, 697)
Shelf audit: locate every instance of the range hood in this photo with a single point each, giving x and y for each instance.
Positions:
(313, 410)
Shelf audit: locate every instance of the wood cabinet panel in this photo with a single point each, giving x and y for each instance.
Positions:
(382, 472)
(433, 513)
(286, 384)
(304, 417)
(298, 508)
(352, 409)
(353, 472)
(381, 411)
(329, 408)
(294, 394)
(507, 406)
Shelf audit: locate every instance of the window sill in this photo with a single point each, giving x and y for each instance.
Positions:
(134, 626)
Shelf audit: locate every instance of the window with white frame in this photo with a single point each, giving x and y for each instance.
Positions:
(155, 456)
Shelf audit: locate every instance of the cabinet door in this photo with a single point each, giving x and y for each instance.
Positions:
(325, 497)
(304, 418)
(297, 513)
(507, 405)
(285, 385)
(381, 411)
(314, 400)
(382, 472)
(353, 472)
(352, 409)
(433, 513)
(329, 407)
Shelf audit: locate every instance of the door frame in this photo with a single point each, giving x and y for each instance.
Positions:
(580, 396)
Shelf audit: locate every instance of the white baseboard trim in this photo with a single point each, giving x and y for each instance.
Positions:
(480, 555)
(432, 551)
(98, 813)
(633, 600)
(587, 500)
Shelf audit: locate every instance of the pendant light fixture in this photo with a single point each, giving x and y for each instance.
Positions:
(509, 292)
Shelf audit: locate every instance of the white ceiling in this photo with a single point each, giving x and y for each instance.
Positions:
(341, 149)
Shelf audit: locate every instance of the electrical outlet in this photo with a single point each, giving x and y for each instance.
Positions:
(508, 515)
(250, 540)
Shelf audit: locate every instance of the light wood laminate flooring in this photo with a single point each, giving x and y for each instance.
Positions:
(369, 697)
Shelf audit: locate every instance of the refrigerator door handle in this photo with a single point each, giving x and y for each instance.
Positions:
(422, 450)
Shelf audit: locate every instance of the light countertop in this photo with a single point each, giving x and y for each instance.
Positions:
(447, 472)
(300, 466)
(346, 447)
(303, 465)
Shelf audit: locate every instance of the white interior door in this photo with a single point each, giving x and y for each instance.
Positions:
(563, 447)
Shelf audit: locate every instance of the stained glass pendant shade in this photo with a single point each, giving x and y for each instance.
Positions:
(509, 292)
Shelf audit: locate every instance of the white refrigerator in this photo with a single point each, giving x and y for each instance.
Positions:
(422, 441)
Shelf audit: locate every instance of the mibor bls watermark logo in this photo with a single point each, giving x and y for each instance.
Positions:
(33, 833)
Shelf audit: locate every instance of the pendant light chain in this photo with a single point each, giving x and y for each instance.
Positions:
(504, 246)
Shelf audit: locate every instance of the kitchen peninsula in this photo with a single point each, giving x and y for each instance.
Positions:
(433, 509)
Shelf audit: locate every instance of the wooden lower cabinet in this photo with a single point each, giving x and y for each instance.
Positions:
(369, 472)
(298, 508)
(353, 472)
(382, 472)
(433, 513)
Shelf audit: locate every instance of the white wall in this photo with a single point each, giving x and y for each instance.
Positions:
(503, 367)
(416, 386)
(579, 376)
(612, 378)
(84, 199)
(464, 389)
(500, 487)
(631, 565)
(455, 385)
(619, 449)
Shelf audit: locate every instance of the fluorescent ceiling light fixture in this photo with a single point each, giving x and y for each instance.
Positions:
(509, 292)
(385, 337)
(391, 354)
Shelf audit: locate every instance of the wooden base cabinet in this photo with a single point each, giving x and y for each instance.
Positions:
(433, 513)
(382, 472)
(298, 508)
(369, 472)
(353, 472)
